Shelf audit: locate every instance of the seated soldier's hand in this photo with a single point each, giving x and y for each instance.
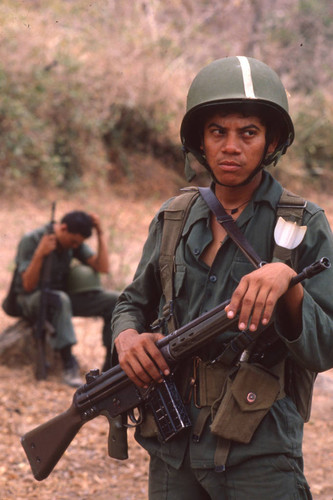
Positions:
(96, 222)
(47, 244)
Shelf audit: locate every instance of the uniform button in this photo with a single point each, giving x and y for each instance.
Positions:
(196, 251)
(213, 278)
(251, 397)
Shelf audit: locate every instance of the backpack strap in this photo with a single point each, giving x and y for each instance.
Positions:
(299, 380)
(175, 217)
(290, 208)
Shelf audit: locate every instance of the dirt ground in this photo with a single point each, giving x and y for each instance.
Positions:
(85, 472)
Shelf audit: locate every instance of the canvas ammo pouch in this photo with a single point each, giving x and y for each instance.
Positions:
(209, 379)
(248, 397)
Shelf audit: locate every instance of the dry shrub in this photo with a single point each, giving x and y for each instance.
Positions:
(64, 64)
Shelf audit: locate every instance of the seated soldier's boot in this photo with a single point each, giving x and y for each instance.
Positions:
(72, 376)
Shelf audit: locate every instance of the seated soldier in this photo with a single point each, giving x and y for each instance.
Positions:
(66, 242)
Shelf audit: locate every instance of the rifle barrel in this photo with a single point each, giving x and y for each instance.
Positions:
(312, 270)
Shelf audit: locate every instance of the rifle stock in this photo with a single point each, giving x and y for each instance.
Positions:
(112, 393)
(45, 445)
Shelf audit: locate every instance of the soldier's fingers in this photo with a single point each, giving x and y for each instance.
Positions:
(136, 373)
(247, 307)
(262, 309)
(237, 298)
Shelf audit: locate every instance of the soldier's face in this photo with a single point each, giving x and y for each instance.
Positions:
(69, 240)
(234, 145)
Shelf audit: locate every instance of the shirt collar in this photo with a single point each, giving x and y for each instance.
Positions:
(268, 192)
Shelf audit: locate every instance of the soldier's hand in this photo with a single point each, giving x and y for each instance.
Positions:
(47, 244)
(257, 294)
(96, 222)
(139, 357)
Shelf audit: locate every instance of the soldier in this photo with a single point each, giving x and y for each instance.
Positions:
(247, 418)
(73, 291)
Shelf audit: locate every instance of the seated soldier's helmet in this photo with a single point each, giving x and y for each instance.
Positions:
(236, 81)
(82, 278)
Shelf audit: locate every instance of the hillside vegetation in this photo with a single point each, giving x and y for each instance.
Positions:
(97, 88)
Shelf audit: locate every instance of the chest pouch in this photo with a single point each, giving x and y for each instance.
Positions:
(247, 399)
(209, 382)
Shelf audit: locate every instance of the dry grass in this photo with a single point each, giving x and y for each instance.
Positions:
(85, 471)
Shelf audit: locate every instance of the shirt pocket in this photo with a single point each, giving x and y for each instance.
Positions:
(240, 268)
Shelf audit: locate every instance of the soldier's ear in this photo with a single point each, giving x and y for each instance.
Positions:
(272, 145)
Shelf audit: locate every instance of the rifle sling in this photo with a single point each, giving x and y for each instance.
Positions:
(240, 343)
(230, 226)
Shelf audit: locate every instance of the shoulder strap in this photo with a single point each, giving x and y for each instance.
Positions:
(291, 208)
(175, 217)
(300, 381)
(230, 226)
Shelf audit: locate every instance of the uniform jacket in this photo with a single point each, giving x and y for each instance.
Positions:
(198, 288)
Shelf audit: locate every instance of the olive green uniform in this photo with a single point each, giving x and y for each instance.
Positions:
(277, 442)
(63, 306)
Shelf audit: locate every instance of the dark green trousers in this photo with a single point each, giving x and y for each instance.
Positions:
(96, 303)
(274, 477)
(63, 307)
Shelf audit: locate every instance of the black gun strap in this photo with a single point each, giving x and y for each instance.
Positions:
(230, 226)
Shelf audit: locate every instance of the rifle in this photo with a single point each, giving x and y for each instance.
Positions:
(40, 327)
(112, 393)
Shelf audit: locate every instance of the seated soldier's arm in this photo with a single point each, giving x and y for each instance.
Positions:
(99, 261)
(31, 276)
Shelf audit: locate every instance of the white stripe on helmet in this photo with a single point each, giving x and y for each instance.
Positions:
(247, 77)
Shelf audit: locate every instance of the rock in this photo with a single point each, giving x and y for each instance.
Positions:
(18, 347)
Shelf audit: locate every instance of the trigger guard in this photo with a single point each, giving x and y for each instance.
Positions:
(135, 421)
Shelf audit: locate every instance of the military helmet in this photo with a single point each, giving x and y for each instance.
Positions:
(236, 81)
(82, 278)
